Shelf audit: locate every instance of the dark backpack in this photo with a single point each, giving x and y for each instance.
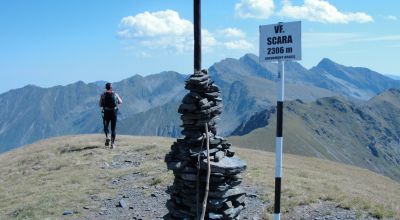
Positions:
(109, 100)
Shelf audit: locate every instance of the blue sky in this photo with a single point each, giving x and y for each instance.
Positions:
(48, 43)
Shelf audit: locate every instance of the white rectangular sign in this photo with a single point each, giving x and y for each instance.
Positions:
(280, 41)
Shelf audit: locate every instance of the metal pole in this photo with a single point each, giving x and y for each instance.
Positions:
(279, 139)
(197, 34)
(197, 67)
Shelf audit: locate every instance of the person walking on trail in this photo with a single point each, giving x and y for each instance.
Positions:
(109, 101)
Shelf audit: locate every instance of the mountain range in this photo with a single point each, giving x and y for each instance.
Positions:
(32, 113)
(151, 102)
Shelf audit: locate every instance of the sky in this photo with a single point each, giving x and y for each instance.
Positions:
(48, 43)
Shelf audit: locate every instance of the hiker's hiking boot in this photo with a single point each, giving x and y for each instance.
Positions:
(112, 145)
(107, 142)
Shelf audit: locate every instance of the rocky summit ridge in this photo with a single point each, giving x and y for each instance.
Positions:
(77, 177)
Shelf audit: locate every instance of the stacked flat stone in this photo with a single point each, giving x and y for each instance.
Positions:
(188, 158)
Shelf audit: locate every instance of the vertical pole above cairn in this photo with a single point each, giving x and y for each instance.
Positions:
(187, 159)
(197, 34)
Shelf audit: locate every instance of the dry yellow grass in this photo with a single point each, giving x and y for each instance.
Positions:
(48, 177)
(307, 180)
(44, 179)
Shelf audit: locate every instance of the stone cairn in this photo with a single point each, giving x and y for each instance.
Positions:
(188, 158)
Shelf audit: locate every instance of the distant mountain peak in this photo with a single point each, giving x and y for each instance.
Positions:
(29, 86)
(250, 56)
(326, 62)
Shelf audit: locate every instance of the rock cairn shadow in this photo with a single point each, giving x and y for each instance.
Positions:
(188, 158)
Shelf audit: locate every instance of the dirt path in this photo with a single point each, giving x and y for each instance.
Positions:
(135, 200)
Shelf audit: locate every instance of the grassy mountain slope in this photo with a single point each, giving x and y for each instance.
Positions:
(365, 135)
(77, 173)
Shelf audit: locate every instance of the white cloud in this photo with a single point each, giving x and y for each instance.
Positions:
(233, 39)
(162, 29)
(158, 23)
(167, 30)
(238, 45)
(232, 33)
(207, 39)
(391, 17)
(260, 9)
(321, 11)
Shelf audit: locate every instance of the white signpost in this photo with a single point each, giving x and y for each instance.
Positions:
(280, 42)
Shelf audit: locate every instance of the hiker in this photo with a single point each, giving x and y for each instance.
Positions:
(109, 101)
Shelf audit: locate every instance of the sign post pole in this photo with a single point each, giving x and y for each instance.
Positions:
(280, 42)
(279, 138)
